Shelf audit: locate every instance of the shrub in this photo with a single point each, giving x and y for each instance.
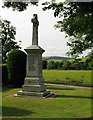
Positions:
(16, 65)
(66, 65)
(51, 65)
(4, 74)
(44, 64)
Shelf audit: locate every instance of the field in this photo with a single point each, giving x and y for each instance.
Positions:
(70, 103)
(72, 77)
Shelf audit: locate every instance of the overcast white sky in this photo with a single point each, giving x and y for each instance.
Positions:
(53, 41)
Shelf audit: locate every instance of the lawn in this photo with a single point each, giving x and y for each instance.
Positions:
(72, 77)
(70, 103)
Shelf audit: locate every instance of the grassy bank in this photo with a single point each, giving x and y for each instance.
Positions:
(70, 103)
(72, 77)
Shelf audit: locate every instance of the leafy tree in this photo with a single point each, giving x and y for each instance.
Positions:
(89, 62)
(75, 65)
(58, 65)
(77, 22)
(51, 65)
(7, 35)
(44, 64)
(66, 65)
(82, 65)
(19, 6)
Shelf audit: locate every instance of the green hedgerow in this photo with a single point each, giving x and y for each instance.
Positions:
(16, 66)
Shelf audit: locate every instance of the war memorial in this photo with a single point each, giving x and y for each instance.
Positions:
(34, 82)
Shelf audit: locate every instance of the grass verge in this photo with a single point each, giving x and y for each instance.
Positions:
(70, 103)
(71, 77)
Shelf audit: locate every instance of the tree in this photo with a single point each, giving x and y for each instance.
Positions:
(77, 22)
(7, 34)
(66, 65)
(44, 64)
(51, 65)
(19, 6)
(75, 65)
(89, 62)
(58, 65)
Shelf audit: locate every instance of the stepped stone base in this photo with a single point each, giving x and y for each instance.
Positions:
(34, 86)
(34, 94)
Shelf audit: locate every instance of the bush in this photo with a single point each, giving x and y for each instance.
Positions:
(16, 65)
(66, 65)
(4, 74)
(51, 65)
(44, 64)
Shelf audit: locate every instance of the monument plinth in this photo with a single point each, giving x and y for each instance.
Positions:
(34, 82)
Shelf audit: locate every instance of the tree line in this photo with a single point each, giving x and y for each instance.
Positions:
(67, 65)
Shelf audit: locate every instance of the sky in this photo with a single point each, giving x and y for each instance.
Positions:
(50, 39)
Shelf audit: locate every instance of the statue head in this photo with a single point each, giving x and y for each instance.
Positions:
(35, 16)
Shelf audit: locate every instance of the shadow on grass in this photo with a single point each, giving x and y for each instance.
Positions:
(59, 88)
(6, 88)
(11, 111)
(66, 96)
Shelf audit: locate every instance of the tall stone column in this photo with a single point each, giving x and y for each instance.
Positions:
(34, 82)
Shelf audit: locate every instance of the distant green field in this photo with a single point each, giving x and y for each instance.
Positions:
(82, 59)
(59, 59)
(55, 60)
(72, 77)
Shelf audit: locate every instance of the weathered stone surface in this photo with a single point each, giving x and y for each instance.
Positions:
(33, 94)
(33, 88)
(34, 65)
(35, 30)
(34, 82)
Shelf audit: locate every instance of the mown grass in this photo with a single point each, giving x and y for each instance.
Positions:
(70, 103)
(72, 77)
(55, 60)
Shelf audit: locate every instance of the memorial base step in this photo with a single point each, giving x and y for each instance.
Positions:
(34, 94)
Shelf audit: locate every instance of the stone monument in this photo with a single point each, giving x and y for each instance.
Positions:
(34, 82)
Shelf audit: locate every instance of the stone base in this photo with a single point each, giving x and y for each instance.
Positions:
(34, 94)
(34, 87)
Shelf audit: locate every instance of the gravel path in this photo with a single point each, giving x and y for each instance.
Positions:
(67, 85)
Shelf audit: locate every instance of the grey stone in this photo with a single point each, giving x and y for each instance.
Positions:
(34, 82)
(34, 94)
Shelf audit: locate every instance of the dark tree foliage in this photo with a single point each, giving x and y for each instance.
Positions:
(7, 36)
(66, 65)
(89, 62)
(58, 65)
(44, 64)
(19, 6)
(51, 65)
(76, 64)
(4, 75)
(76, 20)
(16, 66)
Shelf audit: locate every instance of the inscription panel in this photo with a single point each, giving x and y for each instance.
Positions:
(32, 65)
